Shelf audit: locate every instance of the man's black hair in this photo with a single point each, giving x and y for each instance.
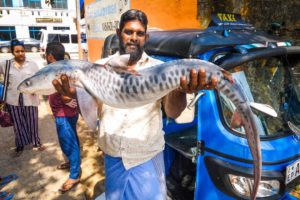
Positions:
(15, 42)
(56, 49)
(133, 14)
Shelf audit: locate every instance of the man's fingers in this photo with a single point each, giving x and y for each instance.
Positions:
(214, 82)
(66, 99)
(57, 86)
(72, 93)
(193, 80)
(65, 83)
(183, 84)
(202, 77)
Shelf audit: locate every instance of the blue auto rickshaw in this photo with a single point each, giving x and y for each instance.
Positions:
(205, 157)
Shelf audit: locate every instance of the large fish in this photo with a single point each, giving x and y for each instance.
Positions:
(126, 90)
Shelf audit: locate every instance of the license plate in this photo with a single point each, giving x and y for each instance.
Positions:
(292, 171)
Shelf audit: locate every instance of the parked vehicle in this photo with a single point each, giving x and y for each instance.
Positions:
(205, 158)
(67, 38)
(31, 45)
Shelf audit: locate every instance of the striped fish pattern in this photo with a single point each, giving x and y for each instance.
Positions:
(128, 90)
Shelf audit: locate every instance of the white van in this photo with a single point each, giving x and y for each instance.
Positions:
(67, 38)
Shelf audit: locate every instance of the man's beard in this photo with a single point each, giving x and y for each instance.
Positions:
(135, 55)
(19, 59)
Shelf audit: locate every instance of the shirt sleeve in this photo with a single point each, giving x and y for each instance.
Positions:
(34, 66)
(2, 66)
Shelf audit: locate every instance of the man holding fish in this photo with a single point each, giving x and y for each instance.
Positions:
(132, 139)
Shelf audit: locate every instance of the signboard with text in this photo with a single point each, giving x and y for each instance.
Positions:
(102, 17)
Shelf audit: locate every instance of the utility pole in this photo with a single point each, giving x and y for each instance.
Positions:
(78, 29)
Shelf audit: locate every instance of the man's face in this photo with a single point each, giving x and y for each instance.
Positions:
(19, 53)
(132, 39)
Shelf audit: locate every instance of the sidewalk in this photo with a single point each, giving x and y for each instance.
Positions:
(38, 176)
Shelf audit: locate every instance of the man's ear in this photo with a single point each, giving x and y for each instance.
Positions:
(147, 37)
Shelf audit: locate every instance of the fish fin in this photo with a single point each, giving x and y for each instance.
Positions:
(120, 62)
(294, 128)
(87, 105)
(122, 71)
(228, 76)
(134, 72)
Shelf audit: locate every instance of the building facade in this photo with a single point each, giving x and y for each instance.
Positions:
(25, 18)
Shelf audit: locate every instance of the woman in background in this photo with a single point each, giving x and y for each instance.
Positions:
(22, 107)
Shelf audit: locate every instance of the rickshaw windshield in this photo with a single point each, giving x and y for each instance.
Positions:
(267, 81)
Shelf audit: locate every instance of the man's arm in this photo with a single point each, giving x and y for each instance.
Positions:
(175, 102)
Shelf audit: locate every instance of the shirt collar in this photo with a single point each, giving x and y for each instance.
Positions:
(142, 61)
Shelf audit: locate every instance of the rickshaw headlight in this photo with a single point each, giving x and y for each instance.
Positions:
(243, 186)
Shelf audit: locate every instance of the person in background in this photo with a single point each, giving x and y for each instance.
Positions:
(66, 116)
(23, 108)
(132, 139)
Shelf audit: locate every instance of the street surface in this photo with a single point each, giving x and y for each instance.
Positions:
(38, 176)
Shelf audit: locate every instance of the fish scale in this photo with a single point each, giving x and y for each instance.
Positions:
(148, 85)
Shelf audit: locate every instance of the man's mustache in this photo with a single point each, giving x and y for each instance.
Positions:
(132, 44)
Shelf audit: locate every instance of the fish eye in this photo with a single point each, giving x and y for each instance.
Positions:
(27, 83)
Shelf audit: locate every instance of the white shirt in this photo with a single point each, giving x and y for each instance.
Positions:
(16, 76)
(133, 134)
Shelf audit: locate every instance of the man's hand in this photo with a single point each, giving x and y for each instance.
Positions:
(197, 82)
(72, 103)
(67, 93)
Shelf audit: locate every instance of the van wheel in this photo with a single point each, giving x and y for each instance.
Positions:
(34, 49)
(4, 50)
(67, 56)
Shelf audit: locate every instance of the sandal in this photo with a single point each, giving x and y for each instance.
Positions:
(6, 196)
(65, 165)
(7, 179)
(39, 147)
(68, 186)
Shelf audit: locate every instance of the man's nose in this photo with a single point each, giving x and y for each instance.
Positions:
(134, 37)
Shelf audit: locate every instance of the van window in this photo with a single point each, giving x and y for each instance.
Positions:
(53, 38)
(74, 38)
(64, 38)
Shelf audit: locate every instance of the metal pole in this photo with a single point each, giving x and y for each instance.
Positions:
(78, 29)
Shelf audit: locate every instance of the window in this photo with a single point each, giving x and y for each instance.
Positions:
(7, 33)
(60, 4)
(6, 3)
(74, 38)
(63, 38)
(267, 81)
(32, 3)
(61, 28)
(35, 32)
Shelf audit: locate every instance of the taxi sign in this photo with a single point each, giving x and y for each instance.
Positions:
(292, 171)
(223, 19)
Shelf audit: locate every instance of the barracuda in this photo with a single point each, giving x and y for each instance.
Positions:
(128, 90)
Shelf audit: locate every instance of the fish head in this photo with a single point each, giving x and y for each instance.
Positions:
(37, 84)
